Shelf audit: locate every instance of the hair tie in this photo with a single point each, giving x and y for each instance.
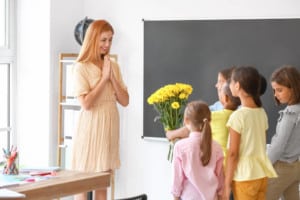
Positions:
(205, 120)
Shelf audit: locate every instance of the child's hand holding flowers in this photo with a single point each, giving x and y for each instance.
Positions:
(169, 101)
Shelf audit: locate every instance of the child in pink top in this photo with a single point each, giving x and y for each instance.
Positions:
(198, 160)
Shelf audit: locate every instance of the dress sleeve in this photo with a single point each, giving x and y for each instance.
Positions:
(81, 84)
(285, 124)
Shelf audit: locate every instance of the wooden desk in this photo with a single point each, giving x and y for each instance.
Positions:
(64, 184)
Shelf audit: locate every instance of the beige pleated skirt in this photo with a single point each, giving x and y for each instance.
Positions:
(96, 140)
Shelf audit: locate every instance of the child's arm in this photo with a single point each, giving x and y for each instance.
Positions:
(182, 132)
(232, 160)
(219, 171)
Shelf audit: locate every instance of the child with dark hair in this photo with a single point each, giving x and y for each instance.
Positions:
(198, 160)
(284, 150)
(247, 165)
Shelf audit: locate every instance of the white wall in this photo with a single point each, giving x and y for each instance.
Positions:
(44, 29)
(64, 16)
(33, 81)
(144, 166)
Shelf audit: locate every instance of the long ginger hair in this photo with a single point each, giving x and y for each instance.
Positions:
(90, 51)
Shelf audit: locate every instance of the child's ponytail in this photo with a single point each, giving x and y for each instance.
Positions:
(198, 114)
(257, 100)
(206, 142)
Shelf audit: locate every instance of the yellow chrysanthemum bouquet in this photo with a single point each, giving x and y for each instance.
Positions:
(169, 101)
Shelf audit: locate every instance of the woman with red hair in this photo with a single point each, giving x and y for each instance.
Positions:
(99, 87)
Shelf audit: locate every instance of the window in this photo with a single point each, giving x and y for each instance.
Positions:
(7, 59)
(5, 105)
(3, 24)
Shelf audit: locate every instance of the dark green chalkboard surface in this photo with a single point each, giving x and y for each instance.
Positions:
(193, 51)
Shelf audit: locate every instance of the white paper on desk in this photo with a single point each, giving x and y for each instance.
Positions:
(34, 169)
(6, 193)
(11, 180)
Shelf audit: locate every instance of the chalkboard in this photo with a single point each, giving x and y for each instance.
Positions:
(193, 51)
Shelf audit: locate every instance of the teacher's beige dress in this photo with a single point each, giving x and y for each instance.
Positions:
(96, 140)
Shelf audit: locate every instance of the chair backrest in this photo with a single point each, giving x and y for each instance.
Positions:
(139, 197)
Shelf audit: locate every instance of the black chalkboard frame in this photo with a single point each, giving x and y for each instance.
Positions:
(193, 51)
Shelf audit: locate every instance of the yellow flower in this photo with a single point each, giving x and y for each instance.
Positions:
(175, 105)
(182, 96)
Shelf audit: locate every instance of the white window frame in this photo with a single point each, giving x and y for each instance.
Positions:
(8, 56)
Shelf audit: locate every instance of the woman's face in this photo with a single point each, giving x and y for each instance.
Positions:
(105, 42)
(282, 93)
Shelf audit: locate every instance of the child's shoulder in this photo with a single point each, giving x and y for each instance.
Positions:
(183, 141)
(182, 145)
(187, 142)
(292, 108)
(245, 112)
(224, 113)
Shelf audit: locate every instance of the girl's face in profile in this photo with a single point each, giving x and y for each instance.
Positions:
(282, 93)
(105, 42)
(220, 82)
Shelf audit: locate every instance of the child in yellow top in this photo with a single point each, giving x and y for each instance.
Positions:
(220, 117)
(248, 165)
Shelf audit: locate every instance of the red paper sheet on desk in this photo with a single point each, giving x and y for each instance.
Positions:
(42, 173)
